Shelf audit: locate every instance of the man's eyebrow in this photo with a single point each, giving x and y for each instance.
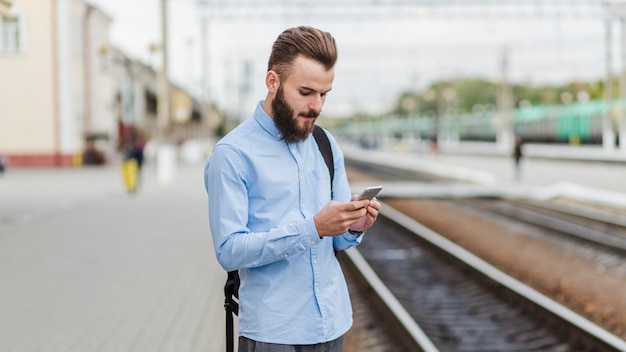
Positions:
(314, 90)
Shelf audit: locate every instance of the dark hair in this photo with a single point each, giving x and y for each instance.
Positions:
(303, 40)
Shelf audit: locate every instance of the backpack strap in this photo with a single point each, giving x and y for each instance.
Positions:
(231, 289)
(324, 146)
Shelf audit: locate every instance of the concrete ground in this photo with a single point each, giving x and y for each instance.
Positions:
(86, 267)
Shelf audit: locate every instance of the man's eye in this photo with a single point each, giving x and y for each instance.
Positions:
(305, 93)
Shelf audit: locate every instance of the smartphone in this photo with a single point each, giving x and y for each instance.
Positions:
(369, 192)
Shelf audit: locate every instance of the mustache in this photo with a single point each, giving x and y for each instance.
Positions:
(310, 113)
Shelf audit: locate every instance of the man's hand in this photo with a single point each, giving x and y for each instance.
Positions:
(373, 207)
(336, 218)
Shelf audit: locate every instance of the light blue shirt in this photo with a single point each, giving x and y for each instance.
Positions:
(263, 194)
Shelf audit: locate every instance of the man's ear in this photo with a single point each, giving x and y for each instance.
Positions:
(272, 81)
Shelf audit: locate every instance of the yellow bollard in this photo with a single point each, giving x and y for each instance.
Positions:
(77, 160)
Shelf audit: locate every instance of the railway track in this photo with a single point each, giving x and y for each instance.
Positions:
(600, 228)
(449, 300)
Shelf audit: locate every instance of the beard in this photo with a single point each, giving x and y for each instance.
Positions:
(287, 124)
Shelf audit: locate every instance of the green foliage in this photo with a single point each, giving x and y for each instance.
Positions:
(474, 94)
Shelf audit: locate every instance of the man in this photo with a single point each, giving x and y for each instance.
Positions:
(270, 207)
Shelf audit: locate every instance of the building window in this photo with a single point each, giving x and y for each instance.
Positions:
(11, 40)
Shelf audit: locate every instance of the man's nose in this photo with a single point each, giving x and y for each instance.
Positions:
(316, 104)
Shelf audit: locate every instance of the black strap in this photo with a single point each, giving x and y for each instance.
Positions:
(231, 289)
(324, 146)
(230, 342)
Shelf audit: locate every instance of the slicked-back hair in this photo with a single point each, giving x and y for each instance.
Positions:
(303, 40)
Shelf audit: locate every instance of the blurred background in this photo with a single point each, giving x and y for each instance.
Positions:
(84, 75)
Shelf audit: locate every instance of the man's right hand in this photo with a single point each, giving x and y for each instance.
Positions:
(335, 218)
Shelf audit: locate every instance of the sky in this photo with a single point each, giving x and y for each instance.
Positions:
(378, 57)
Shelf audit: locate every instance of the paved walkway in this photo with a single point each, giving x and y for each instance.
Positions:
(86, 267)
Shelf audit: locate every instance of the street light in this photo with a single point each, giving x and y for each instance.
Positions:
(166, 153)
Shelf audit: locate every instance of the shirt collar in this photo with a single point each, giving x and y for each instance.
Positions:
(263, 119)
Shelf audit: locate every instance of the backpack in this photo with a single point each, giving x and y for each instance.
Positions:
(231, 288)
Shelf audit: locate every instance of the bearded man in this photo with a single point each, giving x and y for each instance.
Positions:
(272, 214)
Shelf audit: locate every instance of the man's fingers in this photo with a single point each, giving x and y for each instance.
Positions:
(359, 204)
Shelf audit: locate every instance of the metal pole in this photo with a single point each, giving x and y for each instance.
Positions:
(166, 153)
(622, 89)
(163, 102)
(206, 87)
(608, 136)
(504, 138)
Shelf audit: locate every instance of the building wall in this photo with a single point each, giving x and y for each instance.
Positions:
(56, 88)
(100, 89)
(41, 112)
(27, 106)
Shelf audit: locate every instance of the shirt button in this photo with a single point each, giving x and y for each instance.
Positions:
(313, 242)
(285, 255)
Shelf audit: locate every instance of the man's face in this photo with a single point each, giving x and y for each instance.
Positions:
(300, 98)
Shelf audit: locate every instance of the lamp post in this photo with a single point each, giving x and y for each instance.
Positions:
(505, 103)
(608, 136)
(166, 153)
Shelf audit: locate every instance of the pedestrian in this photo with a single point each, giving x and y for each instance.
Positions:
(137, 148)
(271, 211)
(3, 163)
(517, 157)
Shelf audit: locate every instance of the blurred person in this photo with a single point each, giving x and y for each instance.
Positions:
(137, 150)
(271, 211)
(132, 147)
(3, 163)
(434, 145)
(517, 157)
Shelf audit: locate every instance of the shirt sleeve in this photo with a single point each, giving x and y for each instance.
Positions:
(237, 247)
(346, 241)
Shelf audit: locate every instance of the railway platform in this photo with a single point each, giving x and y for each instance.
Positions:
(84, 266)
(584, 173)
